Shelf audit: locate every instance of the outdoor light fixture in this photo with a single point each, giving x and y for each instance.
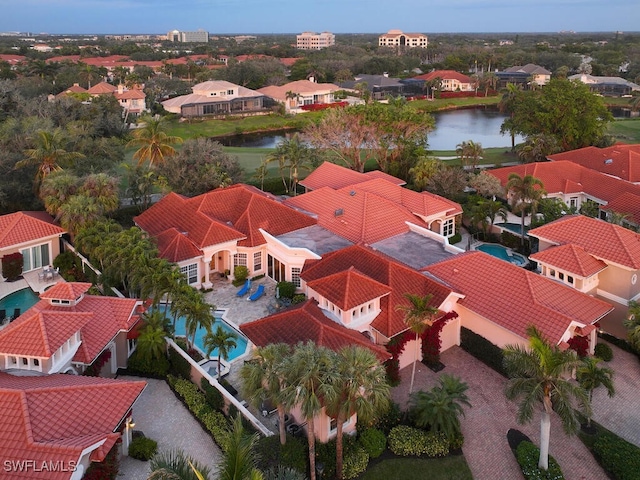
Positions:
(131, 423)
(320, 469)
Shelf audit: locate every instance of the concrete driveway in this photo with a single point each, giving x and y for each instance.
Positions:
(486, 423)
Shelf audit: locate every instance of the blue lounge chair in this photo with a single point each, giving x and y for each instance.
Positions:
(257, 294)
(245, 288)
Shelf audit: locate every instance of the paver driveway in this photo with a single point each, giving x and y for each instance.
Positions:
(486, 423)
(162, 417)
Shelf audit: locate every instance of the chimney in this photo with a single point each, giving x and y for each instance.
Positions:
(120, 89)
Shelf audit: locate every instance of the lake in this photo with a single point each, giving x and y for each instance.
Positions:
(452, 127)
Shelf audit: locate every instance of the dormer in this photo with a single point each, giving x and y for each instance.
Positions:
(66, 294)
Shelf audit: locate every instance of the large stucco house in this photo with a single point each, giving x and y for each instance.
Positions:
(296, 95)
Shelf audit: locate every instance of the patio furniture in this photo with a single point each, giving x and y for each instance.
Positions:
(41, 275)
(257, 294)
(245, 288)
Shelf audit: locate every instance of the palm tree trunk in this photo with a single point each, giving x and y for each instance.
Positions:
(545, 431)
(281, 426)
(311, 438)
(339, 447)
(522, 228)
(219, 369)
(415, 360)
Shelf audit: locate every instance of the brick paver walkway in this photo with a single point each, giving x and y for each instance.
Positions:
(486, 423)
(162, 417)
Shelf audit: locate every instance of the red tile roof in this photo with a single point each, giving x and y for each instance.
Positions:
(306, 322)
(357, 215)
(622, 161)
(55, 417)
(334, 176)
(73, 89)
(515, 298)
(44, 327)
(604, 240)
(349, 288)
(399, 279)
(385, 176)
(130, 94)
(627, 204)
(22, 227)
(66, 291)
(444, 75)
(235, 213)
(570, 258)
(102, 88)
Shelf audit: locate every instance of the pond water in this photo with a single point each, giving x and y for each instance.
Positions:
(452, 127)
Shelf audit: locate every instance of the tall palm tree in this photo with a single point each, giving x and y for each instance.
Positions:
(197, 315)
(440, 408)
(360, 387)
(239, 462)
(470, 151)
(309, 372)
(536, 148)
(77, 212)
(292, 155)
(526, 192)
(541, 375)
(263, 378)
(153, 141)
(590, 376)
(88, 74)
(632, 324)
(48, 154)
(222, 341)
(103, 189)
(56, 189)
(418, 317)
(175, 465)
(507, 105)
(151, 344)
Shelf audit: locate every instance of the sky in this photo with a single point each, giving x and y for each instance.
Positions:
(337, 16)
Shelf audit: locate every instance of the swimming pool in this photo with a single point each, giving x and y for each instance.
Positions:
(241, 341)
(513, 227)
(503, 253)
(22, 299)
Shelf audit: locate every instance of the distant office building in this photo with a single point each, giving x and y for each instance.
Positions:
(396, 38)
(200, 36)
(315, 41)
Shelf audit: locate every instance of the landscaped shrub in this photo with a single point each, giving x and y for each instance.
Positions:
(105, 470)
(603, 352)
(212, 395)
(355, 459)
(70, 267)
(178, 365)
(293, 454)
(240, 274)
(527, 455)
(389, 419)
(216, 424)
(406, 441)
(618, 342)
(12, 266)
(158, 368)
(192, 396)
(580, 345)
(142, 448)
(618, 457)
(298, 298)
(286, 289)
(456, 442)
(373, 441)
(510, 240)
(283, 473)
(482, 349)
(457, 238)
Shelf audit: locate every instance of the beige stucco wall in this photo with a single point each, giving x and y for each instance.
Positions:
(617, 281)
(54, 247)
(491, 331)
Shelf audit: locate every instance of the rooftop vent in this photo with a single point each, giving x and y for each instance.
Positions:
(339, 212)
(352, 193)
(608, 161)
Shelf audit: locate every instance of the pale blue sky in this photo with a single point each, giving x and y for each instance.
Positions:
(338, 16)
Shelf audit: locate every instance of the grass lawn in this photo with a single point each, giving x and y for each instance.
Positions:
(447, 468)
(626, 130)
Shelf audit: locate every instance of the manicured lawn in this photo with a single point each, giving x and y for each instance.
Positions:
(448, 468)
(626, 131)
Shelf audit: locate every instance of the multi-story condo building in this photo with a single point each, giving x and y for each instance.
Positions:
(201, 36)
(396, 38)
(315, 41)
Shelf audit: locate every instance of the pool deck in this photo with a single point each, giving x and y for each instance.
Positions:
(28, 280)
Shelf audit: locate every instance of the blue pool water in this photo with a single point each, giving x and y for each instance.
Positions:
(241, 340)
(500, 252)
(513, 227)
(23, 299)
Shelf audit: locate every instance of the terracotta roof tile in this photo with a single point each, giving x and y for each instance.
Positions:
(349, 288)
(444, 75)
(66, 291)
(622, 161)
(102, 88)
(626, 203)
(21, 227)
(570, 258)
(539, 301)
(385, 176)
(38, 424)
(334, 176)
(303, 323)
(603, 240)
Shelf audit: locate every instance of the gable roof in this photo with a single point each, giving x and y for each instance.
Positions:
(622, 161)
(349, 288)
(627, 204)
(444, 75)
(39, 425)
(300, 87)
(306, 322)
(335, 176)
(379, 268)
(529, 68)
(102, 88)
(22, 227)
(603, 240)
(522, 297)
(570, 258)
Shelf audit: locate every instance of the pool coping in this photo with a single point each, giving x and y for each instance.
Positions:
(510, 253)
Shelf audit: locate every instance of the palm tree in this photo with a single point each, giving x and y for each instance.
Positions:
(485, 213)
(88, 73)
(292, 154)
(359, 387)
(197, 314)
(222, 341)
(525, 192)
(78, 211)
(264, 379)
(440, 408)
(507, 105)
(56, 189)
(261, 172)
(590, 376)
(541, 375)
(309, 372)
(153, 141)
(238, 462)
(536, 148)
(103, 189)
(175, 465)
(632, 324)
(151, 344)
(48, 155)
(469, 150)
(418, 317)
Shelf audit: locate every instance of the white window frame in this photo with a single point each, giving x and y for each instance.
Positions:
(295, 276)
(190, 272)
(448, 227)
(257, 261)
(240, 259)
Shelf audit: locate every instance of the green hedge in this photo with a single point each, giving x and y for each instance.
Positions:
(619, 458)
(603, 352)
(374, 442)
(178, 365)
(527, 455)
(481, 348)
(355, 460)
(407, 441)
(271, 454)
(142, 448)
(139, 367)
(212, 395)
